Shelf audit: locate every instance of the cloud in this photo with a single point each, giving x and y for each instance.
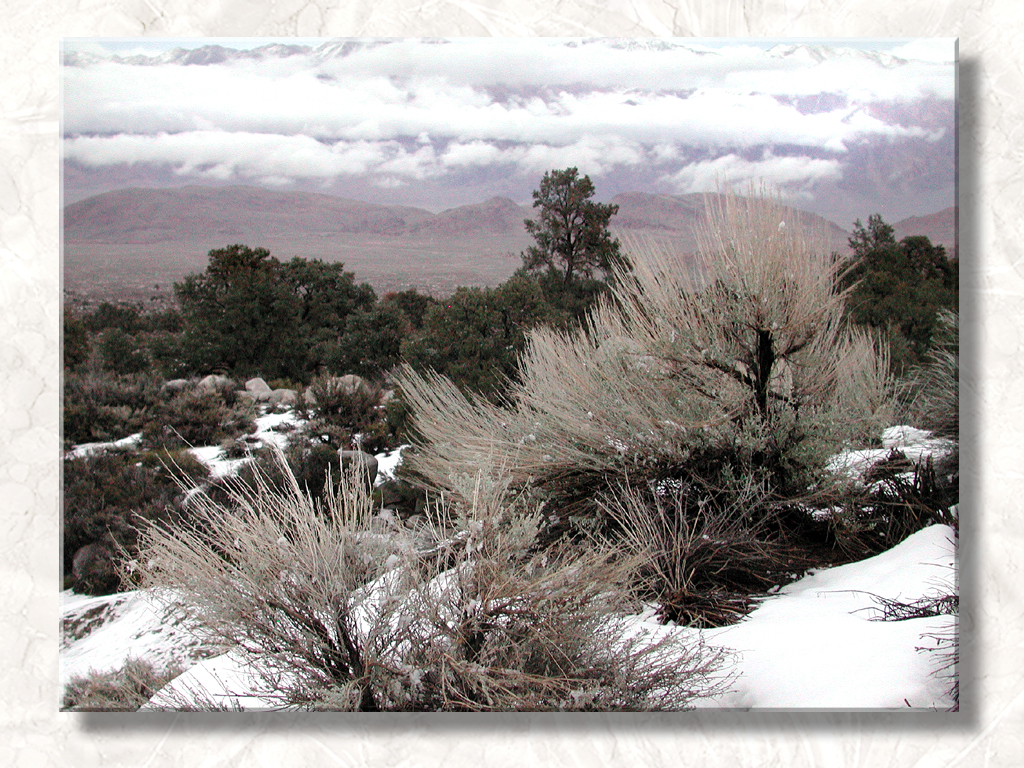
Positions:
(405, 111)
(224, 155)
(794, 176)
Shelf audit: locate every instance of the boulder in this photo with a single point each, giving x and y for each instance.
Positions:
(94, 571)
(215, 383)
(174, 386)
(362, 461)
(283, 397)
(259, 389)
(350, 384)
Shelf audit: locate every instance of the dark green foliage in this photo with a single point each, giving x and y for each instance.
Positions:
(240, 316)
(392, 427)
(571, 230)
(311, 463)
(326, 297)
(372, 341)
(122, 690)
(899, 289)
(475, 337)
(340, 402)
(249, 314)
(106, 495)
(76, 340)
(566, 304)
(120, 353)
(412, 304)
(168, 355)
(125, 317)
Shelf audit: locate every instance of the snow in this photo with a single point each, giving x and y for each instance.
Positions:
(915, 444)
(88, 449)
(387, 464)
(99, 634)
(813, 644)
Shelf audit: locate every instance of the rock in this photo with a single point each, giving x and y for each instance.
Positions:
(283, 397)
(93, 569)
(350, 384)
(360, 459)
(259, 389)
(215, 383)
(174, 386)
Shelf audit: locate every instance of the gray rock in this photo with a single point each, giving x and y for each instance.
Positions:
(93, 569)
(360, 460)
(259, 389)
(350, 384)
(283, 397)
(174, 386)
(215, 383)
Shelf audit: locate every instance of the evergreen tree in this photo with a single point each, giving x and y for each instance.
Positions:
(571, 229)
(240, 316)
(899, 288)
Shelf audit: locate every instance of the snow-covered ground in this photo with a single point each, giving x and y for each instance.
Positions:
(814, 644)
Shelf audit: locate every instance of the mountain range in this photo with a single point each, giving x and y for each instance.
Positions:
(130, 243)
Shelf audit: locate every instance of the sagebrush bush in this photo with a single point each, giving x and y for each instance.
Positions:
(347, 611)
(934, 388)
(745, 370)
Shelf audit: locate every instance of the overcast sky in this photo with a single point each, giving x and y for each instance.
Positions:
(843, 128)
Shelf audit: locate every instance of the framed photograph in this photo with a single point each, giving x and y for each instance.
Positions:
(495, 375)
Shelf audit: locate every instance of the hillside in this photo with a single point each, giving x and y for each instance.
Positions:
(135, 243)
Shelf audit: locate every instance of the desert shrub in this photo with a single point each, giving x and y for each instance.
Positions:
(747, 371)
(338, 611)
(315, 466)
(702, 551)
(122, 690)
(121, 353)
(903, 496)
(344, 403)
(196, 417)
(392, 428)
(100, 406)
(124, 317)
(476, 335)
(75, 340)
(107, 494)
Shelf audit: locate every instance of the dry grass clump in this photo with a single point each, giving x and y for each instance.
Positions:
(336, 609)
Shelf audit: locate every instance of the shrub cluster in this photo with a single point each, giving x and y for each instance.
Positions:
(699, 404)
(109, 494)
(340, 611)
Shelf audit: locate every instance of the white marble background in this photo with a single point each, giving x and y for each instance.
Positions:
(989, 729)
